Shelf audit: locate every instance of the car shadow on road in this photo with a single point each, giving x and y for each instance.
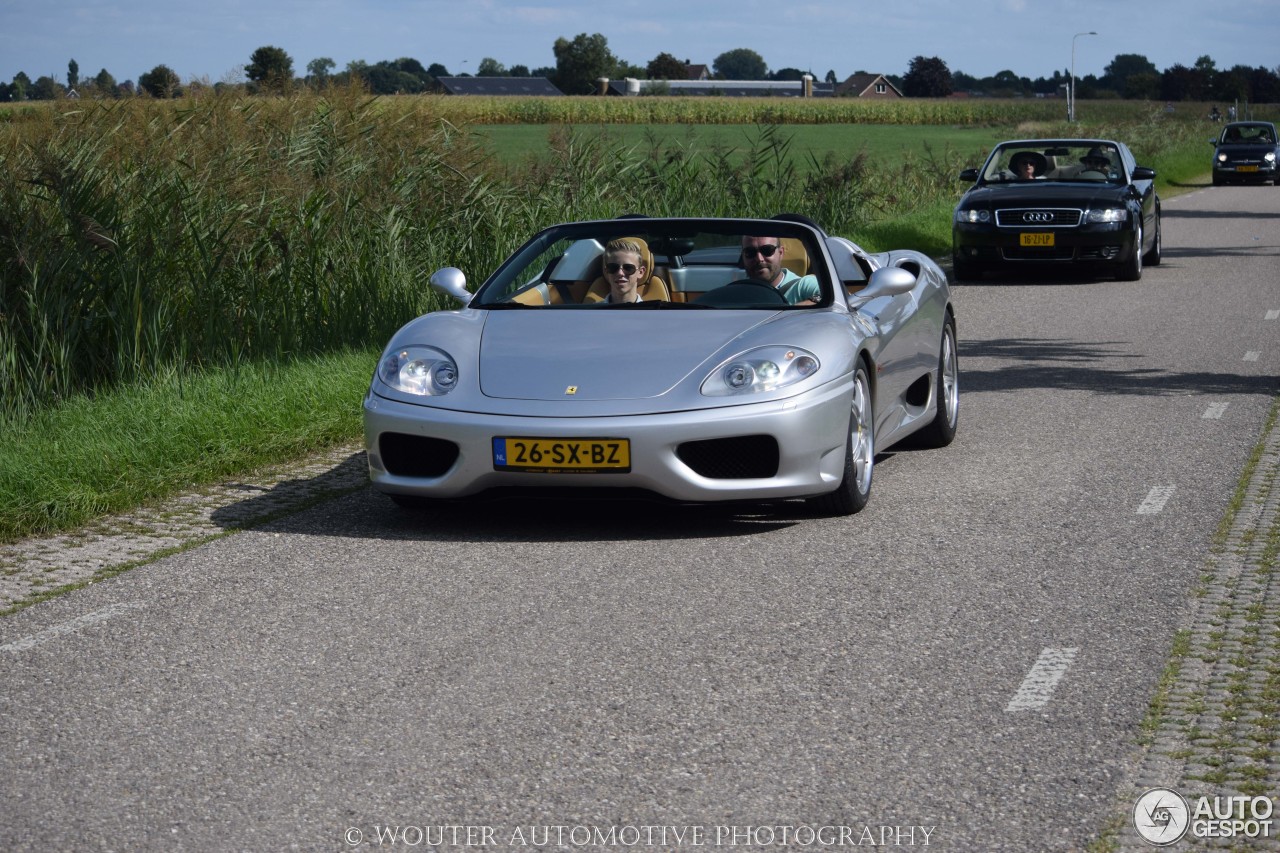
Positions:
(1069, 365)
(339, 502)
(1201, 214)
(1039, 276)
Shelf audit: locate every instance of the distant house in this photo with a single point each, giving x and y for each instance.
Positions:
(867, 86)
(724, 88)
(498, 86)
(697, 72)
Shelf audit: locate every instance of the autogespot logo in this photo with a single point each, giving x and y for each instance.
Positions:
(1161, 816)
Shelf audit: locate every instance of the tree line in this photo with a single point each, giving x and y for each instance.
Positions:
(581, 61)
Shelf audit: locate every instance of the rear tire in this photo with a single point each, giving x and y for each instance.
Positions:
(1152, 258)
(860, 453)
(942, 430)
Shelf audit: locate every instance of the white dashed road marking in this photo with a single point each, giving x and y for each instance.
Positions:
(1273, 314)
(1037, 688)
(69, 627)
(1252, 355)
(1215, 411)
(1155, 500)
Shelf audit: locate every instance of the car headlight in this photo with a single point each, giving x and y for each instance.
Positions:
(1222, 158)
(760, 370)
(1108, 214)
(1270, 156)
(973, 216)
(423, 371)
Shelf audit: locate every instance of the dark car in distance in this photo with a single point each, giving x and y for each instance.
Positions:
(1040, 203)
(1246, 152)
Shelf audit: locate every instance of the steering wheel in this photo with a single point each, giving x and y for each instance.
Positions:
(744, 291)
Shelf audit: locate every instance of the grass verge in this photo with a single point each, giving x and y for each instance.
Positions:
(61, 467)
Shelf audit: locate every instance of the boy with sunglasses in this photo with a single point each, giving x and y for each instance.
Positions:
(624, 270)
(762, 259)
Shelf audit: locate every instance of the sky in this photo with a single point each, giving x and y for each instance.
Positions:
(212, 40)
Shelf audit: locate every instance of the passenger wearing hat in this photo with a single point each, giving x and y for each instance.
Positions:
(1028, 165)
(1098, 161)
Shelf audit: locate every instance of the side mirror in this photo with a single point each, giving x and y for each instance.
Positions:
(452, 282)
(970, 175)
(887, 281)
(1142, 173)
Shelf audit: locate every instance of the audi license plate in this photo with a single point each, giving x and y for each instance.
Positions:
(553, 455)
(1038, 239)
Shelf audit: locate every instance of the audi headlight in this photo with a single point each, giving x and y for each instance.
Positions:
(423, 371)
(1108, 214)
(973, 216)
(764, 369)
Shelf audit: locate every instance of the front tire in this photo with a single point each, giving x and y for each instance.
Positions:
(860, 453)
(966, 270)
(1131, 270)
(411, 503)
(941, 431)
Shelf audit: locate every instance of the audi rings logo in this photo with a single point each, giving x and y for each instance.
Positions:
(1161, 816)
(1037, 217)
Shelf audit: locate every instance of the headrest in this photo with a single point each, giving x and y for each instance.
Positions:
(794, 256)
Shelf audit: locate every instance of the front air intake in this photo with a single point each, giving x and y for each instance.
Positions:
(416, 455)
(746, 457)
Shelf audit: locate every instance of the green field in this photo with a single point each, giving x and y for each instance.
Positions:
(811, 143)
(191, 287)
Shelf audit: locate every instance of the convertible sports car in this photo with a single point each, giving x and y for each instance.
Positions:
(1040, 202)
(1245, 152)
(715, 386)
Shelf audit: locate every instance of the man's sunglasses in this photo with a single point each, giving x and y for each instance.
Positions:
(629, 269)
(766, 250)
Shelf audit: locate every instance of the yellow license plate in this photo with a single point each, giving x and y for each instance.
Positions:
(1246, 168)
(553, 455)
(1036, 239)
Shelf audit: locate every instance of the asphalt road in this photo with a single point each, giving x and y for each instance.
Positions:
(964, 665)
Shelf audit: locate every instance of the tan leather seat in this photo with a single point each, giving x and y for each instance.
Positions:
(653, 289)
(794, 257)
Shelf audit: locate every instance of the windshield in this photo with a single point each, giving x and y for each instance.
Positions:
(643, 264)
(1090, 161)
(1248, 134)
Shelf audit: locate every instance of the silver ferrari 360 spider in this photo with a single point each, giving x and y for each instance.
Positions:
(693, 360)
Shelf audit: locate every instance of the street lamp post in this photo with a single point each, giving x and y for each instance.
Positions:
(1071, 94)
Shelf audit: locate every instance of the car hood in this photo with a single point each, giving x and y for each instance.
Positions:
(1041, 194)
(602, 354)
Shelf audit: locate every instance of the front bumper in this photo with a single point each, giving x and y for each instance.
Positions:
(990, 245)
(810, 431)
(1253, 171)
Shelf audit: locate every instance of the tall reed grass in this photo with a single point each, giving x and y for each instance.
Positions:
(141, 238)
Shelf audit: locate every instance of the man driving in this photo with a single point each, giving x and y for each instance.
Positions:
(762, 259)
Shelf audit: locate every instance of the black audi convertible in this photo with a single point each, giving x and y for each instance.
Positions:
(1038, 203)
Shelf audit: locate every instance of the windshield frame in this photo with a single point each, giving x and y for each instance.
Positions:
(1057, 161)
(699, 249)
